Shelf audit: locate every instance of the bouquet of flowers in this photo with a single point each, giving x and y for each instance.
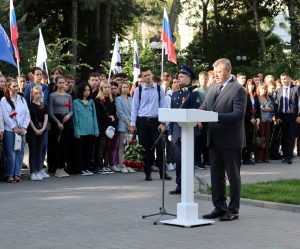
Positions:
(134, 154)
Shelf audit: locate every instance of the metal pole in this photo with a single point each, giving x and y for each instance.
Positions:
(162, 60)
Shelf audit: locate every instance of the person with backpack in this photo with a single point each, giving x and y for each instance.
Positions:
(147, 98)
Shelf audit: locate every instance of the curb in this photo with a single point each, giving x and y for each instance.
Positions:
(257, 203)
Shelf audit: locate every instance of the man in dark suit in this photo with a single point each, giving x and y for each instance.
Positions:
(287, 115)
(225, 139)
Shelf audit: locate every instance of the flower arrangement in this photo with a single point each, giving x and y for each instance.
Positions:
(134, 155)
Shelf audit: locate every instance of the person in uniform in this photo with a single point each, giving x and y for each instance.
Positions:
(184, 98)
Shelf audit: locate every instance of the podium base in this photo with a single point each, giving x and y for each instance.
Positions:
(188, 223)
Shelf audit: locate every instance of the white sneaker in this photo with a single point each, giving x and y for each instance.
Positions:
(131, 170)
(103, 172)
(44, 174)
(108, 170)
(39, 177)
(64, 173)
(170, 167)
(89, 172)
(33, 177)
(124, 169)
(84, 173)
(58, 173)
(115, 168)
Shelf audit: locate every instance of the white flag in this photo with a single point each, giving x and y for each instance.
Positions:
(136, 62)
(42, 53)
(115, 65)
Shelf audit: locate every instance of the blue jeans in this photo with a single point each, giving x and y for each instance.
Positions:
(14, 158)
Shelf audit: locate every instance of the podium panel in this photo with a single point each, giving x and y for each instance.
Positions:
(187, 209)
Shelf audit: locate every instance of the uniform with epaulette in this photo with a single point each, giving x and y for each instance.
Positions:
(184, 98)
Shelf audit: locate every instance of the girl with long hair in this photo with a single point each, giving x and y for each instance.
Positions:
(106, 116)
(36, 134)
(267, 108)
(85, 129)
(60, 113)
(123, 106)
(16, 120)
(252, 120)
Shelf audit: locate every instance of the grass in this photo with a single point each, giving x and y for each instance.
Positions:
(282, 191)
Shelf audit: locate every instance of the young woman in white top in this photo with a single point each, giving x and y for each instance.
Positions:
(16, 120)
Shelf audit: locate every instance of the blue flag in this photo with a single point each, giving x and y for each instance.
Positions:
(6, 48)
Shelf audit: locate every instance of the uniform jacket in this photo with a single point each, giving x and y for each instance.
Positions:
(184, 99)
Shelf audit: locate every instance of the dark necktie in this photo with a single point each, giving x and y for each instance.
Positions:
(286, 101)
(220, 86)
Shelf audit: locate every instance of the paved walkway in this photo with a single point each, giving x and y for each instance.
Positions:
(105, 212)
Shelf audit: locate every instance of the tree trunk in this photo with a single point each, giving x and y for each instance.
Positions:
(74, 36)
(261, 35)
(97, 21)
(106, 27)
(174, 14)
(216, 15)
(204, 26)
(295, 36)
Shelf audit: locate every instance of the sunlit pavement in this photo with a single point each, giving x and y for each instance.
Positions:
(105, 211)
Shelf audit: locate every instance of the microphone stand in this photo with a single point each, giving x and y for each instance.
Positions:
(162, 210)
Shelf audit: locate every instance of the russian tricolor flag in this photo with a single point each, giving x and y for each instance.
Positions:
(167, 39)
(14, 30)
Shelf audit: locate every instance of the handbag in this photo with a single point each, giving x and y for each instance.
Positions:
(259, 141)
(18, 142)
(110, 131)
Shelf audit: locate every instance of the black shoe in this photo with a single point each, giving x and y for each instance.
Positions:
(176, 191)
(148, 178)
(216, 213)
(284, 161)
(229, 216)
(167, 177)
(289, 161)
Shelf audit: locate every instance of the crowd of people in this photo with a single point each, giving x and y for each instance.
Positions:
(73, 128)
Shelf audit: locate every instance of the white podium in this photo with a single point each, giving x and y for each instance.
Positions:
(187, 210)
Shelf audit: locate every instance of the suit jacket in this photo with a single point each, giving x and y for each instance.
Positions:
(229, 132)
(252, 112)
(293, 101)
(123, 112)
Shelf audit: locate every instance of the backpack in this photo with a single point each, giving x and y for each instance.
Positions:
(140, 93)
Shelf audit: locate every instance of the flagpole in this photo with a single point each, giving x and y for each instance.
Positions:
(18, 66)
(47, 72)
(162, 60)
(109, 75)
